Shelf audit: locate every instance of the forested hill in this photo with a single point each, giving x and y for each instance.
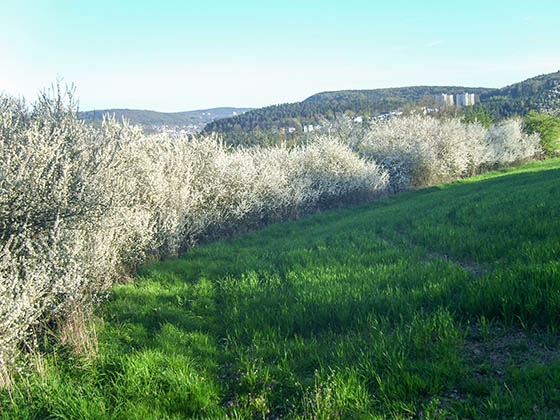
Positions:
(197, 119)
(385, 99)
(327, 104)
(283, 122)
(540, 93)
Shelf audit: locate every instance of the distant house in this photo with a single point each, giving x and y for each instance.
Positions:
(427, 111)
(382, 116)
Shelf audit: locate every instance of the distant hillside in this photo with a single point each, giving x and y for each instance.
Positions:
(540, 93)
(328, 104)
(288, 121)
(383, 99)
(150, 119)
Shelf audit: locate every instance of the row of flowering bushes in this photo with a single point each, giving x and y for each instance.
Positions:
(81, 206)
(418, 151)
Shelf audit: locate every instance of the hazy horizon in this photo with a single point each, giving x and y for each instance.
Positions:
(181, 56)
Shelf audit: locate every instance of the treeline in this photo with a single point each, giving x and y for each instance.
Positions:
(286, 123)
(540, 94)
(394, 95)
(272, 124)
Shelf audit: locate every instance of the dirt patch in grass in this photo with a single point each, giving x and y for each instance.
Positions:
(476, 270)
(497, 350)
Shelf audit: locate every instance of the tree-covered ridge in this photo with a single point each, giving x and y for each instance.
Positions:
(402, 94)
(326, 105)
(540, 93)
(286, 122)
(198, 118)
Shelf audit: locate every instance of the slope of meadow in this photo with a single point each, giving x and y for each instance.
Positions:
(433, 304)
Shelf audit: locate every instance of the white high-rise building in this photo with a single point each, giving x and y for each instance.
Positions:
(465, 99)
(444, 100)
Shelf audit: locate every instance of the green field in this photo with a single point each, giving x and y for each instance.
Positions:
(440, 303)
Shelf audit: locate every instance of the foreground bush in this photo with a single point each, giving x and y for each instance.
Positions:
(55, 190)
(80, 206)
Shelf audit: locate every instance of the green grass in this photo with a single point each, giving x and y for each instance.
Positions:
(441, 303)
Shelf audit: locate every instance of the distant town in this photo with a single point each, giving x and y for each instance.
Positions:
(441, 101)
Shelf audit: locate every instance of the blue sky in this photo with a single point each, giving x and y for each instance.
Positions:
(183, 55)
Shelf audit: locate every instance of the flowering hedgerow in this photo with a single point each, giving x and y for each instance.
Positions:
(418, 151)
(80, 206)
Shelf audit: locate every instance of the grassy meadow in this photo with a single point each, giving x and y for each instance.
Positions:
(440, 303)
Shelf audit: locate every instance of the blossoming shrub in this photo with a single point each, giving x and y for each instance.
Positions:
(419, 151)
(55, 190)
(80, 206)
